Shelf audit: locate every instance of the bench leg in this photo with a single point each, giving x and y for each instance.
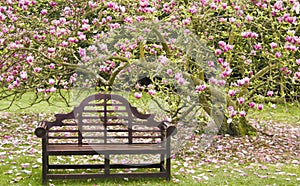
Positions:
(45, 163)
(106, 164)
(162, 162)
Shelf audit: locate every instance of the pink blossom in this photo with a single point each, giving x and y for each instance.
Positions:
(44, 11)
(297, 75)
(82, 37)
(224, 5)
(273, 106)
(193, 9)
(52, 89)
(249, 18)
(151, 92)
(260, 106)
(51, 81)
(211, 64)
(251, 104)
(273, 45)
(52, 3)
(9, 79)
(241, 100)
(51, 50)
(82, 52)
(137, 95)
(169, 72)
(51, 66)
(270, 93)
(200, 88)
(242, 113)
(85, 27)
(241, 82)
(231, 93)
(298, 61)
(163, 59)
(128, 20)
(37, 69)
(222, 44)
(29, 59)
(10, 87)
(181, 81)
(257, 46)
(23, 75)
(178, 76)
(92, 4)
(232, 20)
(213, 6)
(277, 54)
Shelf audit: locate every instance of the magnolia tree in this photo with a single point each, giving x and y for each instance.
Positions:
(225, 57)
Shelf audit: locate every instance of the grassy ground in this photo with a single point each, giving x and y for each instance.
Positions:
(257, 160)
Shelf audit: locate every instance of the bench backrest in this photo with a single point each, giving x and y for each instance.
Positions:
(106, 118)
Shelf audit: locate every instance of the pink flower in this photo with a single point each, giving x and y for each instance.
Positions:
(260, 106)
(151, 92)
(241, 82)
(29, 59)
(128, 20)
(52, 3)
(10, 87)
(241, 100)
(44, 11)
(51, 81)
(297, 75)
(82, 37)
(298, 61)
(273, 106)
(163, 59)
(37, 69)
(211, 64)
(200, 88)
(138, 95)
(277, 54)
(169, 72)
(231, 93)
(218, 52)
(270, 93)
(9, 79)
(51, 50)
(52, 89)
(251, 104)
(273, 45)
(51, 66)
(224, 5)
(249, 18)
(23, 75)
(257, 46)
(242, 113)
(82, 52)
(232, 20)
(222, 44)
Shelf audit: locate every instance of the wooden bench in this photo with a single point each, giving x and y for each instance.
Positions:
(105, 125)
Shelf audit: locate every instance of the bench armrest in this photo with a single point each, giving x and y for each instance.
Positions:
(139, 115)
(41, 129)
(170, 130)
(43, 126)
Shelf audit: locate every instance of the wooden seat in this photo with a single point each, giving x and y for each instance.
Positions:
(106, 149)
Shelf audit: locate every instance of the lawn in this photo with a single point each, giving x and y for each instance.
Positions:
(271, 158)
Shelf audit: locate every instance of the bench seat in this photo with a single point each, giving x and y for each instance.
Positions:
(105, 149)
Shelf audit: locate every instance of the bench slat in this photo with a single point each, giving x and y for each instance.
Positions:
(106, 149)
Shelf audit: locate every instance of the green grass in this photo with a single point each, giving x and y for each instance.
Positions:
(19, 166)
(283, 113)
